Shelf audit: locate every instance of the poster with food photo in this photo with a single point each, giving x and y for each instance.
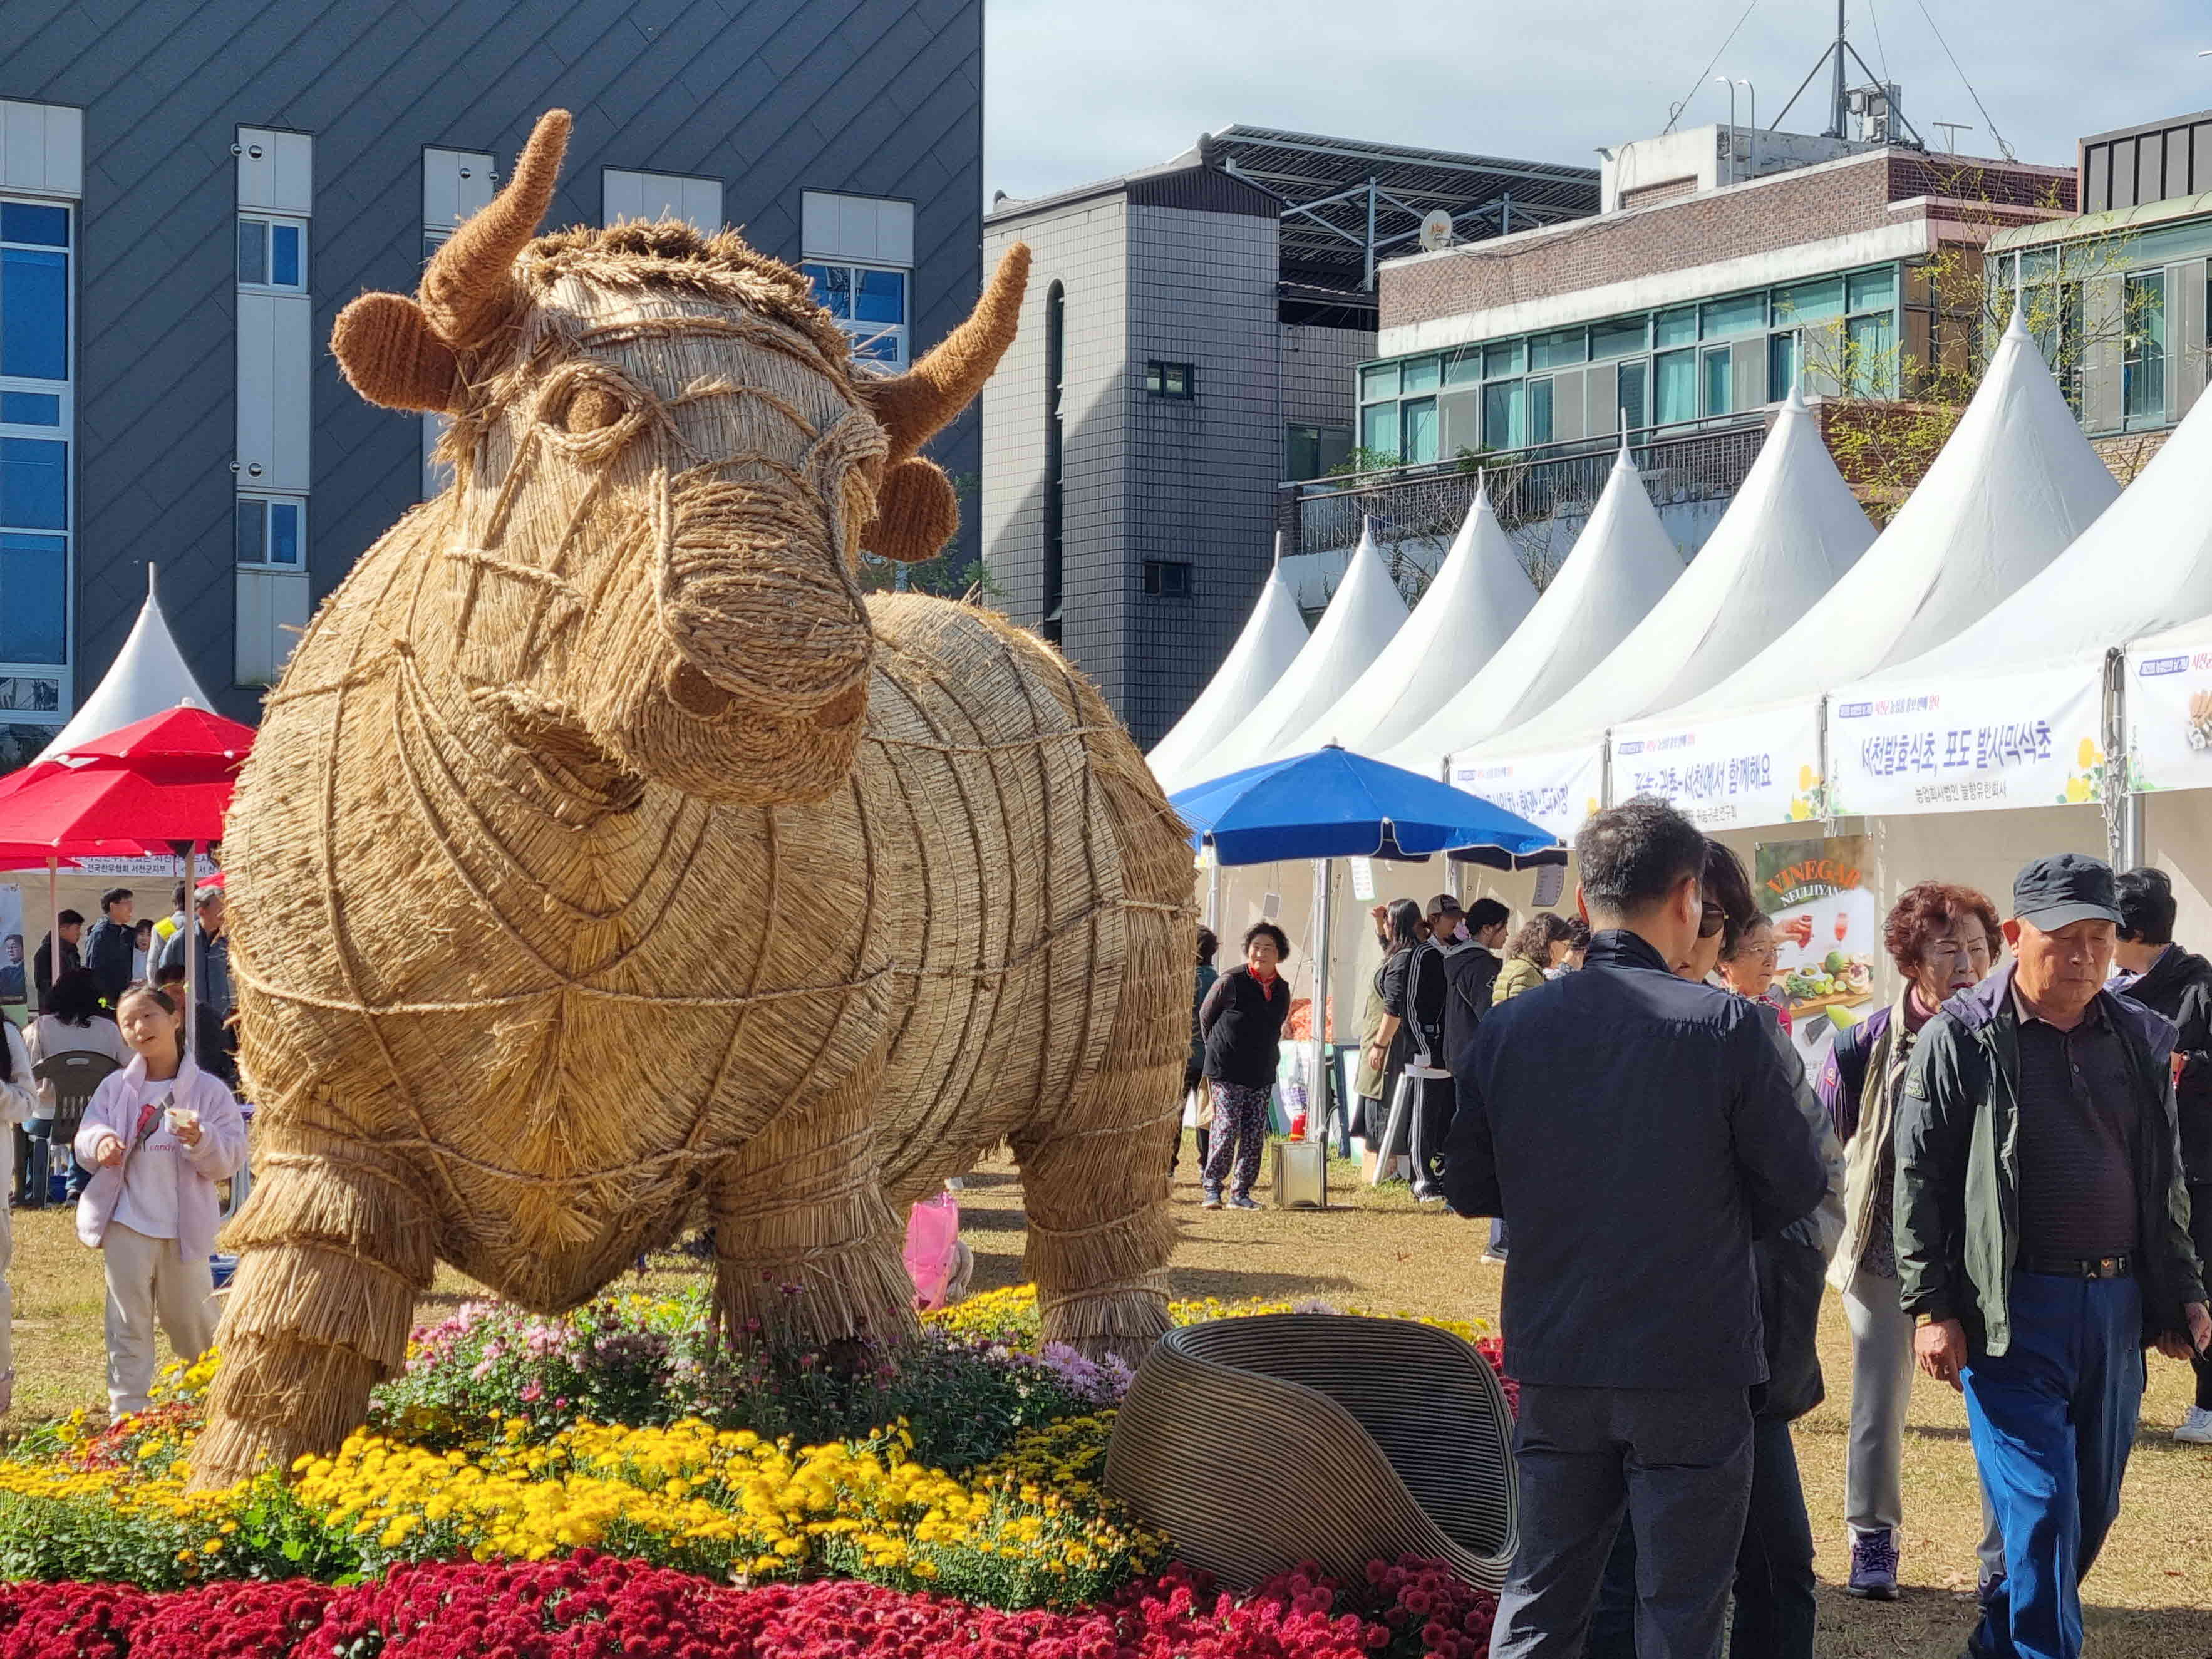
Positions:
(1826, 930)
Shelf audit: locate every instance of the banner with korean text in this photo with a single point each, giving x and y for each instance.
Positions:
(1557, 790)
(1977, 743)
(1733, 771)
(2168, 688)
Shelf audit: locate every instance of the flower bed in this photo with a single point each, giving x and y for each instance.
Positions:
(594, 1607)
(964, 1463)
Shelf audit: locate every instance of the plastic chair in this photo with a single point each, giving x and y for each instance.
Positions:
(1257, 1443)
(74, 1074)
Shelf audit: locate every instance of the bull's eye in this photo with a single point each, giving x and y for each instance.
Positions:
(591, 407)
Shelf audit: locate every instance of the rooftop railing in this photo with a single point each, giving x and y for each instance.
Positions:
(1701, 461)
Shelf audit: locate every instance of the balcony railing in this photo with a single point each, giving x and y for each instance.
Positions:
(1704, 462)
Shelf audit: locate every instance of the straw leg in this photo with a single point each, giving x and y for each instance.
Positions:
(331, 1260)
(1095, 1175)
(807, 1248)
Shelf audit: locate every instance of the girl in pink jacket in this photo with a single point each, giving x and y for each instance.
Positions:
(158, 1135)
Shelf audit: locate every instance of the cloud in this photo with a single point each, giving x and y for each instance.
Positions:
(1077, 92)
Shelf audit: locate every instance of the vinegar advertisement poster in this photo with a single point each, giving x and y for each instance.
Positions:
(1826, 931)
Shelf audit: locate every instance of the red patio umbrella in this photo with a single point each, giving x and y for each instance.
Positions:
(178, 745)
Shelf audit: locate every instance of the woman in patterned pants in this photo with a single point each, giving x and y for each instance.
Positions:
(1241, 1024)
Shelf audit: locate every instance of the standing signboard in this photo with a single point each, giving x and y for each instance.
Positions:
(1827, 929)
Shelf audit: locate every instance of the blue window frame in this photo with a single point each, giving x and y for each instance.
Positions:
(35, 422)
(30, 408)
(871, 304)
(33, 484)
(271, 532)
(34, 313)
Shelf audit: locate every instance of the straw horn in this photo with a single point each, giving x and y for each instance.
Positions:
(914, 406)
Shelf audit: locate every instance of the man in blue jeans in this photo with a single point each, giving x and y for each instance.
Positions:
(2043, 1238)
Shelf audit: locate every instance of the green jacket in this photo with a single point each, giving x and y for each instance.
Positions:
(1958, 1167)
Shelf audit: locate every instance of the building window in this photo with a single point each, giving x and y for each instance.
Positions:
(1540, 411)
(653, 197)
(1629, 391)
(1178, 380)
(272, 255)
(272, 531)
(1422, 374)
(870, 304)
(37, 425)
(1379, 430)
(858, 251)
(1557, 350)
(1781, 365)
(2143, 372)
(1055, 547)
(1167, 578)
(1677, 387)
(1502, 427)
(1314, 451)
(1716, 381)
(1871, 348)
(1418, 428)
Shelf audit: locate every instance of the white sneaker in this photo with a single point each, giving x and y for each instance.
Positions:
(2195, 1429)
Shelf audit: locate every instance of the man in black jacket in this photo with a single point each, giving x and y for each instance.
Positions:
(70, 925)
(109, 946)
(2178, 983)
(1635, 1130)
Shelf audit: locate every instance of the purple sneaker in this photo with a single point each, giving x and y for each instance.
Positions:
(1873, 1565)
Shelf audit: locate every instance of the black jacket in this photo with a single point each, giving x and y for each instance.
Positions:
(1958, 1167)
(1470, 972)
(1242, 1025)
(1413, 986)
(1635, 1130)
(42, 966)
(2179, 985)
(108, 948)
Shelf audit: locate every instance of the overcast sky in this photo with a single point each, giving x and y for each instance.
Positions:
(1076, 92)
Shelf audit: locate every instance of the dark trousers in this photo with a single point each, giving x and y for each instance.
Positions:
(22, 1189)
(1677, 1462)
(2200, 1230)
(1776, 1614)
(1432, 1117)
(2052, 1418)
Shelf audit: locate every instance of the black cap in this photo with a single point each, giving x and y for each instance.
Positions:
(1443, 904)
(2065, 887)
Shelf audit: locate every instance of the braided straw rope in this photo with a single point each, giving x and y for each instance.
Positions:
(572, 890)
(1259, 1443)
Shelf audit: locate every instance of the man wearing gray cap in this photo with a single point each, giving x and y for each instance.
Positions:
(2042, 1237)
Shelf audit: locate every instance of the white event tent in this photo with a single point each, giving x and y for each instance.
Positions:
(1620, 566)
(148, 675)
(1793, 529)
(2011, 710)
(1273, 635)
(1364, 616)
(2015, 483)
(1479, 598)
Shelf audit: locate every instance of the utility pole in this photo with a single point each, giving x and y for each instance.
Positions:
(1840, 112)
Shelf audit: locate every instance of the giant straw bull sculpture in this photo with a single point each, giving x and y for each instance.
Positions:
(605, 852)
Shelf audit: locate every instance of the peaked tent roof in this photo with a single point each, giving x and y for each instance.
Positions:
(1479, 598)
(2014, 485)
(1792, 531)
(2145, 565)
(1273, 635)
(148, 676)
(1620, 566)
(1363, 618)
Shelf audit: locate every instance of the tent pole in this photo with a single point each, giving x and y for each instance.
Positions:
(191, 949)
(1317, 1114)
(1213, 888)
(53, 922)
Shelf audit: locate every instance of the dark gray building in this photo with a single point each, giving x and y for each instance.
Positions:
(1190, 342)
(189, 192)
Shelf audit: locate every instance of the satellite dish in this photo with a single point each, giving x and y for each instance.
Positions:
(1437, 229)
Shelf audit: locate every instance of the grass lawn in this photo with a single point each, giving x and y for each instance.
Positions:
(2151, 1594)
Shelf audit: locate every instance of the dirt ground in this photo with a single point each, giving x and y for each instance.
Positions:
(2150, 1597)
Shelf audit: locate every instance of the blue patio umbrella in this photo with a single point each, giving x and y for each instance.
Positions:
(1332, 804)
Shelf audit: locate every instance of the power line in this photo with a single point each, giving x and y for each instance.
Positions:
(1675, 113)
(1879, 50)
(2003, 148)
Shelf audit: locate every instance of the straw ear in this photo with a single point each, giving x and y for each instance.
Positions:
(916, 512)
(392, 356)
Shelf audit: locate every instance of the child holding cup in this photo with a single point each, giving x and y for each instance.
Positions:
(158, 1135)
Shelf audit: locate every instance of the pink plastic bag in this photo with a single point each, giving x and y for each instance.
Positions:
(933, 1247)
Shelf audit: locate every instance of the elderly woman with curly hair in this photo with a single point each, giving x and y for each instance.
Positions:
(1943, 938)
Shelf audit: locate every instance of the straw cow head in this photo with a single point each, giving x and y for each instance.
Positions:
(666, 466)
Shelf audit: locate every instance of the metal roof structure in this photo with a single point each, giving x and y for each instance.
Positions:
(1347, 203)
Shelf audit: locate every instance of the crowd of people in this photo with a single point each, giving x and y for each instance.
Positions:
(140, 1154)
(2005, 1173)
